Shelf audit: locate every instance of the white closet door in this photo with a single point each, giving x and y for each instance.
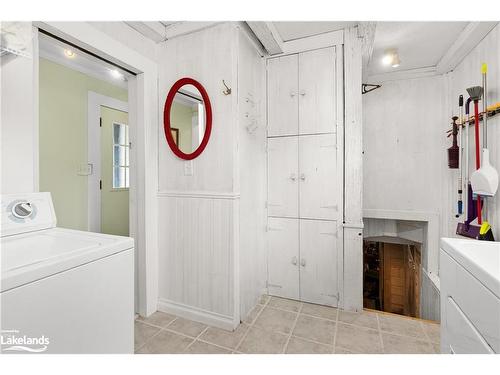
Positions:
(318, 262)
(317, 87)
(283, 177)
(282, 96)
(283, 257)
(318, 177)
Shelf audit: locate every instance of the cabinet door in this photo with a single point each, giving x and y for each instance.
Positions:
(317, 87)
(282, 95)
(283, 193)
(283, 257)
(318, 176)
(318, 262)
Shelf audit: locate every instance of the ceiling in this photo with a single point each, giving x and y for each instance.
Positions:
(54, 50)
(296, 30)
(419, 44)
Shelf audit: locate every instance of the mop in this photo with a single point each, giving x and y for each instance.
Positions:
(484, 181)
(466, 228)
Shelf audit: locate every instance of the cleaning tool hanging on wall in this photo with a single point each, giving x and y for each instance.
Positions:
(475, 94)
(461, 155)
(485, 233)
(484, 181)
(466, 228)
(453, 151)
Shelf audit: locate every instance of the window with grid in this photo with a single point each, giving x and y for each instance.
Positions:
(121, 161)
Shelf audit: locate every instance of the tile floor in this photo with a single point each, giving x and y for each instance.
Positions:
(279, 325)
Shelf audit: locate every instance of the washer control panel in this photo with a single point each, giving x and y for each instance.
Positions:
(23, 213)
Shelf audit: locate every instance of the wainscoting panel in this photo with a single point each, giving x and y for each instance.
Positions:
(198, 254)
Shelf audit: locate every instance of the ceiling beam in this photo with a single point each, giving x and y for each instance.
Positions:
(152, 30)
(186, 27)
(402, 75)
(268, 36)
(469, 38)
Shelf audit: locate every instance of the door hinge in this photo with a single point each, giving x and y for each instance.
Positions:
(100, 184)
(100, 122)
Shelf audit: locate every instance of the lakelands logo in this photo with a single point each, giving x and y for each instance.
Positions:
(12, 341)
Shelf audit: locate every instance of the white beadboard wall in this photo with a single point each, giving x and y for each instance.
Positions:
(467, 74)
(252, 174)
(200, 223)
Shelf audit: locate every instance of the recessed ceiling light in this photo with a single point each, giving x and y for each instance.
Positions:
(116, 74)
(69, 53)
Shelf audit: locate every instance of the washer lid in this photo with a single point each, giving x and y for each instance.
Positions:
(31, 256)
(480, 258)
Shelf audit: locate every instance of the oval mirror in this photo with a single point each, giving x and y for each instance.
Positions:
(187, 118)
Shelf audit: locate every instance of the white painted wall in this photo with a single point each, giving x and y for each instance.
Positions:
(18, 123)
(467, 74)
(252, 173)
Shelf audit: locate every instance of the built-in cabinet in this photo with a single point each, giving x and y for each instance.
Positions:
(304, 177)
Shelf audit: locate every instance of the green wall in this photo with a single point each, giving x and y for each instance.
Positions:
(181, 118)
(63, 137)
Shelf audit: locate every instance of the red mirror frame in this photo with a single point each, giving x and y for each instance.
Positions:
(166, 118)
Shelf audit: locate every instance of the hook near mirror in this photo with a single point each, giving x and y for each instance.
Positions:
(187, 118)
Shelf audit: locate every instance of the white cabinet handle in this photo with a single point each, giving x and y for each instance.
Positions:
(294, 261)
(293, 177)
(302, 176)
(302, 93)
(292, 93)
(303, 262)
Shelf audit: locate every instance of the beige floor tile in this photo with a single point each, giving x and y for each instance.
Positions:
(394, 344)
(264, 299)
(260, 341)
(363, 318)
(319, 311)
(284, 304)
(142, 332)
(224, 338)
(165, 343)
(433, 331)
(401, 326)
(187, 327)
(343, 351)
(299, 346)
(253, 314)
(158, 318)
(199, 347)
(437, 348)
(357, 339)
(315, 329)
(276, 320)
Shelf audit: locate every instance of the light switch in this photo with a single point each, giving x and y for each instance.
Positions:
(188, 168)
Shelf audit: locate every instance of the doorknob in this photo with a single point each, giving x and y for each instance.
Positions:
(302, 176)
(293, 177)
(294, 261)
(303, 262)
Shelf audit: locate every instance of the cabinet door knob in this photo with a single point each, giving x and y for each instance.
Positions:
(302, 93)
(294, 261)
(293, 93)
(302, 176)
(303, 262)
(293, 177)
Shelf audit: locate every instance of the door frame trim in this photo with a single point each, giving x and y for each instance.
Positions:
(94, 103)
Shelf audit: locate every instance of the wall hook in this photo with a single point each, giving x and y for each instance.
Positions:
(227, 91)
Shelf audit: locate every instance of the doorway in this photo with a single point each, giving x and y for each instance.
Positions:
(391, 277)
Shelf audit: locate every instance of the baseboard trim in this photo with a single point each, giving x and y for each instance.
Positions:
(225, 322)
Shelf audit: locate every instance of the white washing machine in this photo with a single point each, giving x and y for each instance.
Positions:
(62, 290)
(469, 271)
